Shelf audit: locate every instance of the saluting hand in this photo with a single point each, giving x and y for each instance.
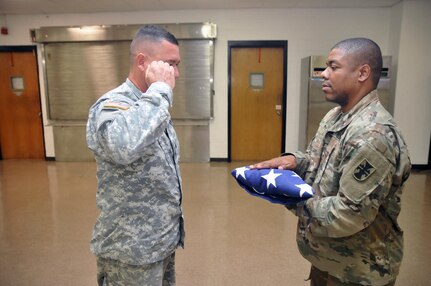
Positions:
(160, 71)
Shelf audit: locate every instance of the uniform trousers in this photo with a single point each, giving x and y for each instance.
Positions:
(114, 273)
(321, 278)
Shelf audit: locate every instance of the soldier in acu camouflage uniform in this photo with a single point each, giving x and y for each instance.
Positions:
(139, 194)
(357, 163)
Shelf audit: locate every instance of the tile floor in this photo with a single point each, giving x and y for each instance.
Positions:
(47, 210)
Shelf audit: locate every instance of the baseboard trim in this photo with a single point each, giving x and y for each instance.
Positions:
(421, 167)
(219, 160)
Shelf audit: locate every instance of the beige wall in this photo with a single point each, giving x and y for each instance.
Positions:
(413, 86)
(308, 32)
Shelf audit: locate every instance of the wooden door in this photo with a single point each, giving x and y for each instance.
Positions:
(21, 133)
(257, 81)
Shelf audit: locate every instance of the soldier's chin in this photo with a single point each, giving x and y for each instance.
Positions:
(329, 97)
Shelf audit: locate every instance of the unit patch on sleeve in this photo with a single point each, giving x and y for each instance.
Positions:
(363, 171)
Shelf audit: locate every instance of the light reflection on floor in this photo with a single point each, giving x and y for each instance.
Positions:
(47, 211)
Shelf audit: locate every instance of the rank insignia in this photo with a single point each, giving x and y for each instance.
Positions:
(363, 170)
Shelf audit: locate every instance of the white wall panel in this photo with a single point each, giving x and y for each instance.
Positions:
(308, 31)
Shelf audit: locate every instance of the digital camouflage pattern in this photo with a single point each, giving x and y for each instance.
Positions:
(114, 273)
(357, 163)
(139, 183)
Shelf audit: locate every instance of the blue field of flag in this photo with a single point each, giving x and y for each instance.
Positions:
(277, 186)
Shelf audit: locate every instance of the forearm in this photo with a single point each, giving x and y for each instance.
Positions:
(302, 163)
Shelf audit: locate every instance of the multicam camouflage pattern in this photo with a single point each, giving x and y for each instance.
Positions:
(139, 183)
(319, 278)
(114, 273)
(358, 163)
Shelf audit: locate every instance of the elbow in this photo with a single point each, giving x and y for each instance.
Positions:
(121, 154)
(117, 150)
(339, 228)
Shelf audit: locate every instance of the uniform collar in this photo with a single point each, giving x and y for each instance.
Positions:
(339, 120)
(136, 92)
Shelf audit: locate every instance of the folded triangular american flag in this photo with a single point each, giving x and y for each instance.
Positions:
(277, 186)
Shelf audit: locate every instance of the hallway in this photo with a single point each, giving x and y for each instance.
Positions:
(47, 211)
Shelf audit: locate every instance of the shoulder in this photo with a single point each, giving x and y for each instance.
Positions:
(374, 115)
(372, 124)
(116, 99)
(373, 139)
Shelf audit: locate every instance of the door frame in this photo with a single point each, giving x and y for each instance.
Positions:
(17, 49)
(258, 44)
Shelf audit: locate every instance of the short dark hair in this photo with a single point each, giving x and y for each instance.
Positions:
(152, 33)
(364, 51)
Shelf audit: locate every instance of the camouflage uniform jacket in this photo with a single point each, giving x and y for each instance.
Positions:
(358, 163)
(139, 183)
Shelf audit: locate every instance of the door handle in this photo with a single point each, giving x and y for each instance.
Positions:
(278, 109)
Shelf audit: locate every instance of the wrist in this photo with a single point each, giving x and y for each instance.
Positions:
(163, 89)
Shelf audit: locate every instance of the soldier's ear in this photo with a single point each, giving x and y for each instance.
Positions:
(364, 73)
(140, 61)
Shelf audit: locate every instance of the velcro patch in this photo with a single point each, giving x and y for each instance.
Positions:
(114, 105)
(363, 171)
(369, 168)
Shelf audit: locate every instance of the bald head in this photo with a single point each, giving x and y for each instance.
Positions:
(363, 51)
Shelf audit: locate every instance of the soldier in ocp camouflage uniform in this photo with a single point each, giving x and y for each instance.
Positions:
(357, 163)
(139, 195)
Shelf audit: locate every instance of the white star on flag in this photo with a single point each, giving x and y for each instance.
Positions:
(305, 188)
(270, 178)
(241, 171)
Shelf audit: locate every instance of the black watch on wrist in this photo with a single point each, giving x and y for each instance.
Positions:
(287, 154)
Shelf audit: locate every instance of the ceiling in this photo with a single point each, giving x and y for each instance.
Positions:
(8, 7)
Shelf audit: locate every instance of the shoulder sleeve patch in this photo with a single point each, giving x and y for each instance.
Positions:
(366, 171)
(363, 170)
(115, 105)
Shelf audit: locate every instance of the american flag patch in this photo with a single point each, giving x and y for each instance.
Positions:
(114, 105)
